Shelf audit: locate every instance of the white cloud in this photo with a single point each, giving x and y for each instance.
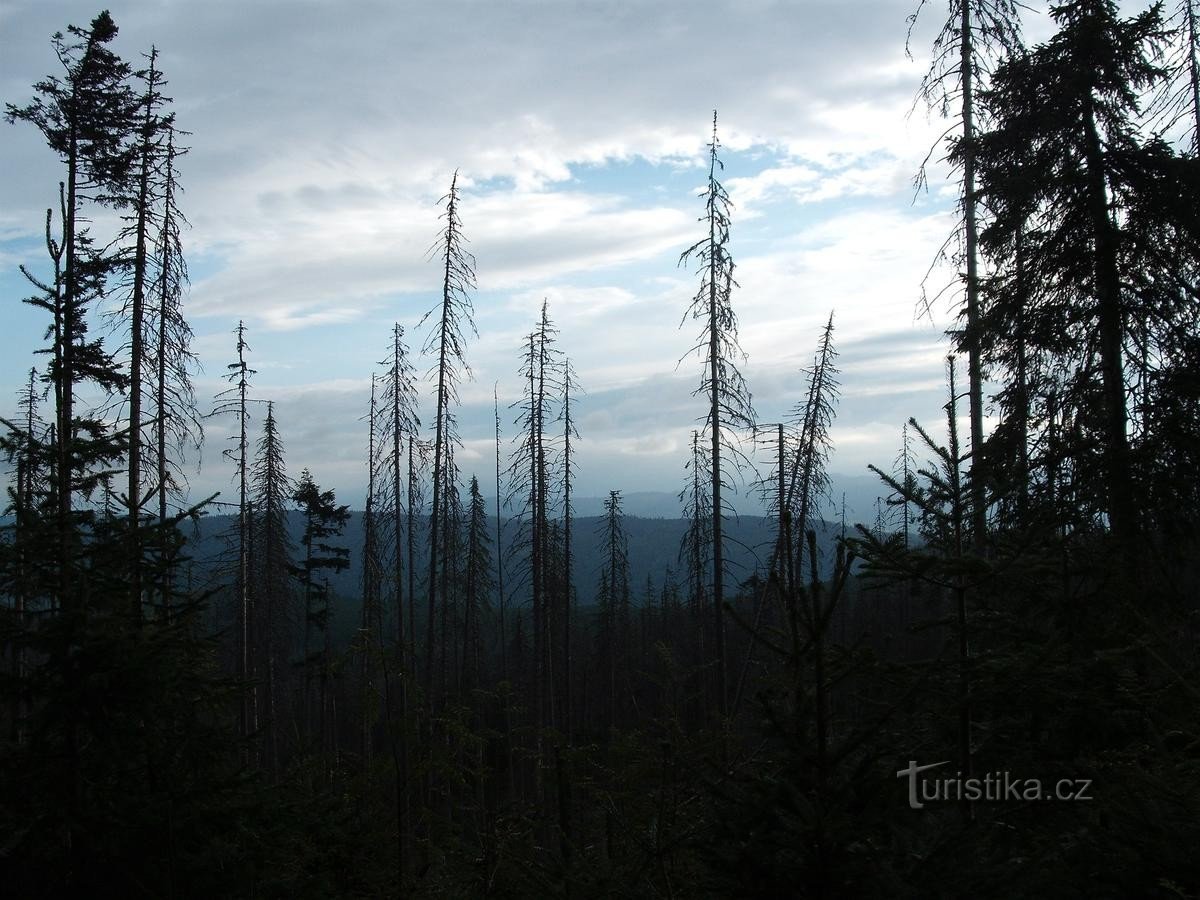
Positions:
(324, 135)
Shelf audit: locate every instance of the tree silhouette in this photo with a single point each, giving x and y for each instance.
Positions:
(177, 424)
(614, 600)
(722, 384)
(269, 594)
(1088, 208)
(975, 34)
(447, 341)
(324, 520)
(235, 400)
(86, 118)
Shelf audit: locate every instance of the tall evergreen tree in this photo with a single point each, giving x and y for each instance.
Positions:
(86, 117)
(324, 521)
(269, 596)
(614, 602)
(1092, 208)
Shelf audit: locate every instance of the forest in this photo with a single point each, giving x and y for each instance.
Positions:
(990, 690)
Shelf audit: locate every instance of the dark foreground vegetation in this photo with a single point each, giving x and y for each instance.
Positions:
(458, 724)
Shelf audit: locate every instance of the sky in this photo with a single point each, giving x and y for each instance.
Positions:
(323, 135)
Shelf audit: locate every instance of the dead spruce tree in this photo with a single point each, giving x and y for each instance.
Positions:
(569, 385)
(808, 485)
(809, 481)
(234, 400)
(528, 489)
(177, 426)
(975, 34)
(398, 422)
(447, 343)
(722, 384)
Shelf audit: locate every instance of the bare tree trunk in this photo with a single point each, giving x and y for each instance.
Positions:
(960, 594)
(137, 347)
(715, 424)
(978, 479)
(568, 599)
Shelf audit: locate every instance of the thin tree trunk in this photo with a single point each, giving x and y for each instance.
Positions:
(715, 424)
(568, 599)
(500, 546)
(978, 478)
(960, 595)
(1193, 74)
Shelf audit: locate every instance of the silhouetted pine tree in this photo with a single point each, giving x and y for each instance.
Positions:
(324, 521)
(1090, 208)
(86, 119)
(269, 609)
(613, 645)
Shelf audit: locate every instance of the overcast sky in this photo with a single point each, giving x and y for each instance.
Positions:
(323, 134)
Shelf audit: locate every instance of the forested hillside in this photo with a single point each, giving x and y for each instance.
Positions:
(985, 688)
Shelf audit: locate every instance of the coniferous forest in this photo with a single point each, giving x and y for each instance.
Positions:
(991, 690)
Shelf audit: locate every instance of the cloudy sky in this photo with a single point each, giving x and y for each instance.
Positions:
(324, 133)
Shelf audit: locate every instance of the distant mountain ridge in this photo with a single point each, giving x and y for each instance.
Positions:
(654, 544)
(860, 492)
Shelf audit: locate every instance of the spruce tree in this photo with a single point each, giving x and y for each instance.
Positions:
(1088, 209)
(324, 521)
(86, 117)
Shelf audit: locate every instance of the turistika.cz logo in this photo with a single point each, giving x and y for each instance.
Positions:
(994, 786)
